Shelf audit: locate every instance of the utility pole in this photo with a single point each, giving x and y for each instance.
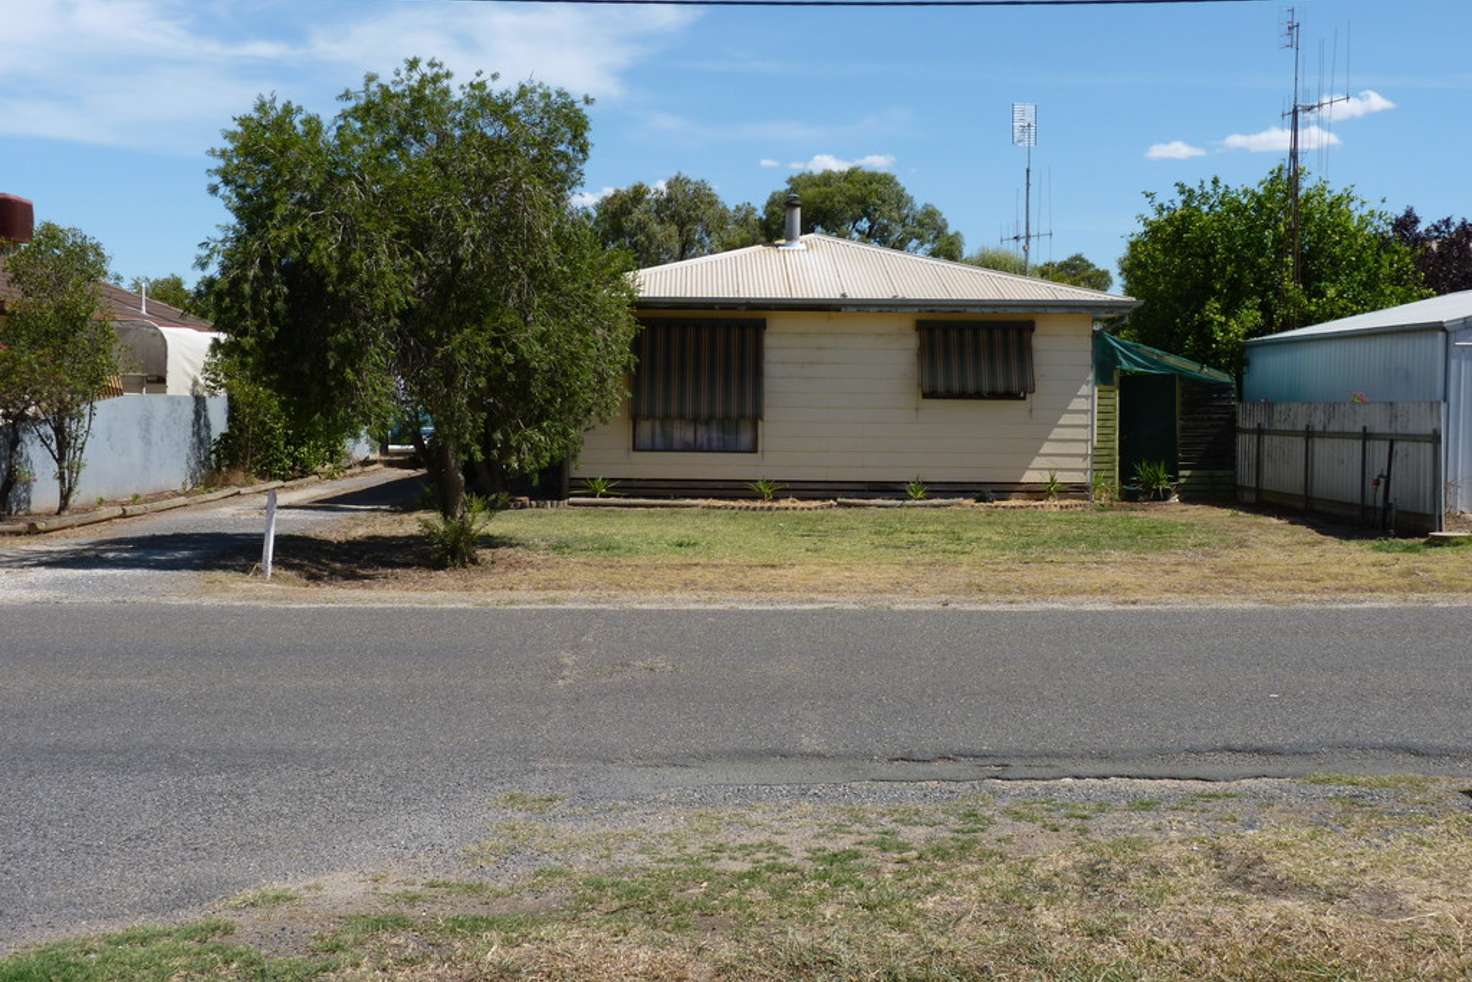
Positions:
(1292, 31)
(1025, 135)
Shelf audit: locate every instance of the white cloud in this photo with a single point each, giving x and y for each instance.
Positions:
(170, 74)
(1367, 102)
(587, 199)
(1174, 150)
(769, 162)
(1276, 139)
(827, 161)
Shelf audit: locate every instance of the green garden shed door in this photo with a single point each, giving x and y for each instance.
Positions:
(1147, 422)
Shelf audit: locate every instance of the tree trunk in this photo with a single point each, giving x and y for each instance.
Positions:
(448, 478)
(65, 486)
(10, 437)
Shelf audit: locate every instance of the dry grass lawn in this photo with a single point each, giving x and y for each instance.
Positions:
(1337, 879)
(1157, 553)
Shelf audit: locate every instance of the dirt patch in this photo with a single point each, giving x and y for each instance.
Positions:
(1032, 880)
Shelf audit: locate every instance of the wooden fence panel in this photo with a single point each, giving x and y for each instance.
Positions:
(1334, 457)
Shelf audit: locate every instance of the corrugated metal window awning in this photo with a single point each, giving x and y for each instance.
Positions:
(976, 359)
(699, 369)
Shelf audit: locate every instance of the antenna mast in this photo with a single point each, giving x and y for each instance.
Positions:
(1292, 31)
(1025, 135)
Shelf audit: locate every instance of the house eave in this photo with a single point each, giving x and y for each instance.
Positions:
(847, 305)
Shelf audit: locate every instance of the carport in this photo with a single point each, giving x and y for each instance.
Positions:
(1151, 405)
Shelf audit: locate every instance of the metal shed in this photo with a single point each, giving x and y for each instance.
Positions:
(1417, 352)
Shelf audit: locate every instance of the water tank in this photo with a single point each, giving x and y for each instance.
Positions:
(17, 219)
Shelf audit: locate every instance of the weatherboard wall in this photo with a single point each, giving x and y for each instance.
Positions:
(843, 404)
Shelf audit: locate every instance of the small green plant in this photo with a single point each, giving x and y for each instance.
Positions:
(599, 487)
(1052, 487)
(454, 542)
(916, 490)
(767, 490)
(984, 497)
(1153, 479)
(1104, 491)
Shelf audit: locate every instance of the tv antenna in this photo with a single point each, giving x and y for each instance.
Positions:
(1291, 38)
(1025, 135)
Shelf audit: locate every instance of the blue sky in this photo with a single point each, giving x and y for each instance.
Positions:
(107, 108)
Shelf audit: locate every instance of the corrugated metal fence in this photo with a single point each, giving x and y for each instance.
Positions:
(1378, 463)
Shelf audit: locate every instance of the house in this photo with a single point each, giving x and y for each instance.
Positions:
(1415, 353)
(836, 367)
(161, 349)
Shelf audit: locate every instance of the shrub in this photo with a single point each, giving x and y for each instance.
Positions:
(599, 487)
(265, 439)
(1154, 479)
(454, 542)
(916, 490)
(1052, 487)
(1105, 491)
(767, 490)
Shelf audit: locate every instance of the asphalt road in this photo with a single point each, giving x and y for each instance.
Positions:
(154, 757)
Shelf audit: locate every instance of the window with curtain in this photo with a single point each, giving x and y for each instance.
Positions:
(698, 385)
(976, 359)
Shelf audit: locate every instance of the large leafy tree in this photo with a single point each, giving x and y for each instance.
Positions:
(1002, 260)
(418, 253)
(679, 218)
(870, 206)
(57, 352)
(1077, 270)
(1212, 266)
(1443, 250)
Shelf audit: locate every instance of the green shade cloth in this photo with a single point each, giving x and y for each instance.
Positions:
(1113, 354)
(976, 359)
(698, 369)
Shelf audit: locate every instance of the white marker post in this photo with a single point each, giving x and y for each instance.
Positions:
(268, 549)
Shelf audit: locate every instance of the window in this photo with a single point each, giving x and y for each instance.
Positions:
(976, 359)
(698, 385)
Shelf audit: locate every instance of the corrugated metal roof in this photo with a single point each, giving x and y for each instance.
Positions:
(123, 305)
(829, 271)
(1437, 312)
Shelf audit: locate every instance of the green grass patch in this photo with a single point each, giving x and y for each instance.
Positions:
(1383, 782)
(193, 951)
(844, 535)
(536, 804)
(264, 898)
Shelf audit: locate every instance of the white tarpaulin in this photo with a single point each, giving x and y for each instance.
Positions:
(188, 349)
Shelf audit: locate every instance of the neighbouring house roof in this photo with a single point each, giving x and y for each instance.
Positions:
(1438, 313)
(121, 305)
(1112, 353)
(829, 273)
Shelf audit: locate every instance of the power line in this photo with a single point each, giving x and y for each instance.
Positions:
(873, 3)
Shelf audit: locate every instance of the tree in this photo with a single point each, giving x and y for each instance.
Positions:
(59, 353)
(1003, 260)
(165, 289)
(870, 206)
(418, 252)
(1077, 270)
(1443, 250)
(679, 218)
(1212, 266)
